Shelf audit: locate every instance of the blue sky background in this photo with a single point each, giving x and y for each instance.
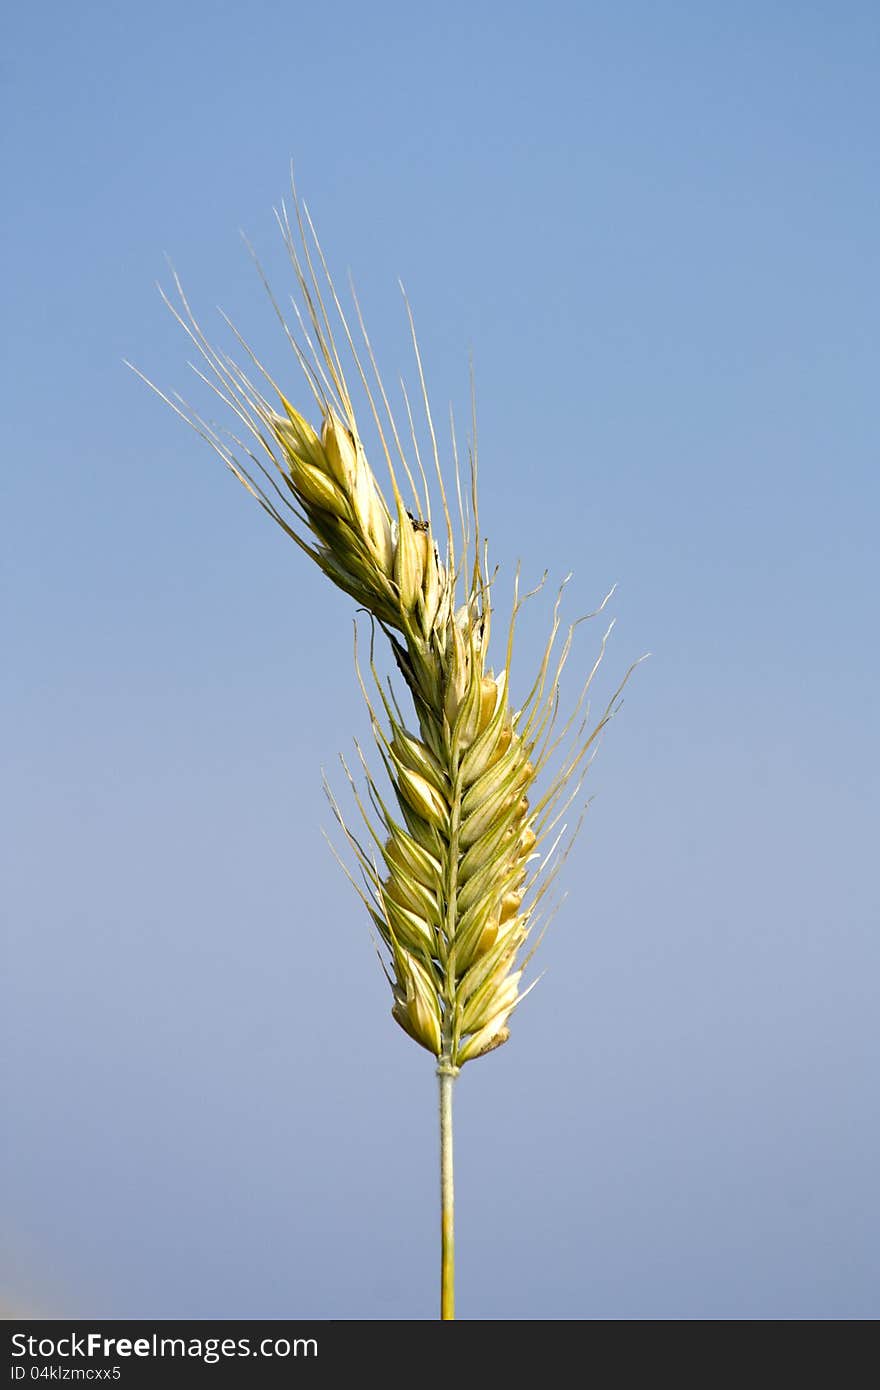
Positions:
(656, 228)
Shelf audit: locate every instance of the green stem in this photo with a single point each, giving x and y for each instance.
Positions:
(446, 1074)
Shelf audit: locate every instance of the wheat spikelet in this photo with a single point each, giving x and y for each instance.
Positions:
(462, 851)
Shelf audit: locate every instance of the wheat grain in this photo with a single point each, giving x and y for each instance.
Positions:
(461, 854)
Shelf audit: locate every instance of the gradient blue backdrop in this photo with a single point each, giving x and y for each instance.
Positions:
(657, 229)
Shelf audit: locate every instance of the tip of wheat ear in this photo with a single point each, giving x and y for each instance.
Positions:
(462, 834)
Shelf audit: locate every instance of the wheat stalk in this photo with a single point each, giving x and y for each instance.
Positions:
(458, 857)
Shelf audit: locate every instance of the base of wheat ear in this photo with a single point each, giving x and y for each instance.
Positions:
(460, 849)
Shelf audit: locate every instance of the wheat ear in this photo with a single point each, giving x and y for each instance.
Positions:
(463, 848)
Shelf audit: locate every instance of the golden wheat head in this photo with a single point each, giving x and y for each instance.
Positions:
(464, 841)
